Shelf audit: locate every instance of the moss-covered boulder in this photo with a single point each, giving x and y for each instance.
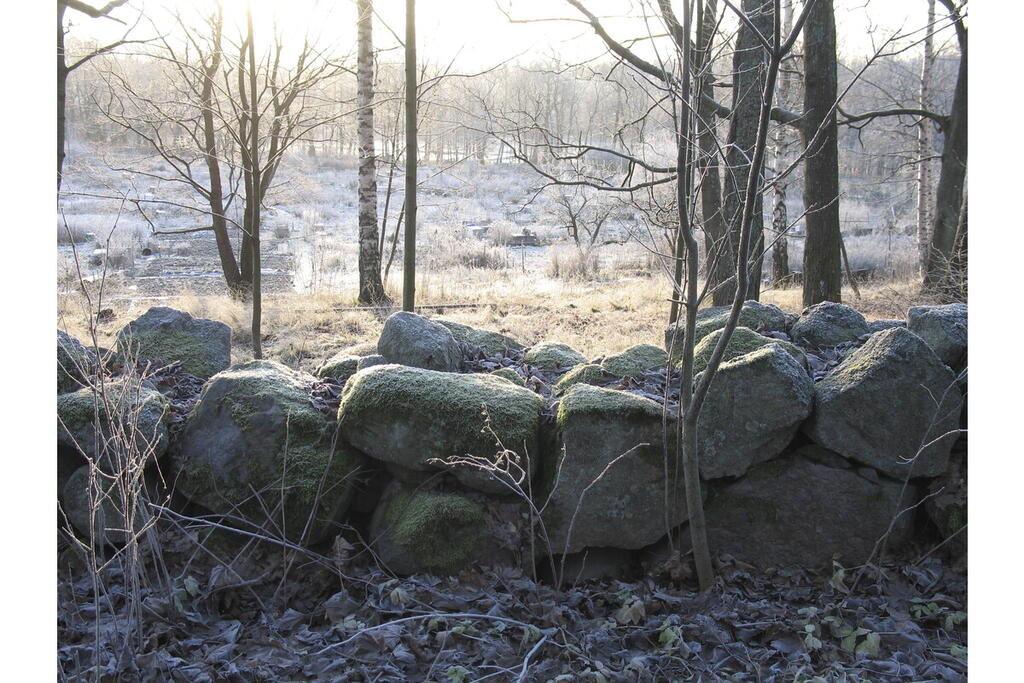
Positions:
(255, 430)
(74, 363)
(414, 417)
(885, 402)
(416, 530)
(793, 512)
(946, 505)
(755, 406)
(635, 361)
(610, 464)
(944, 329)
(132, 418)
(742, 341)
(489, 342)
(754, 315)
(588, 373)
(828, 324)
(410, 339)
(551, 356)
(340, 366)
(167, 335)
(511, 375)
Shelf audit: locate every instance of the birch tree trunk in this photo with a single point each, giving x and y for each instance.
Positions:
(371, 289)
(924, 147)
(781, 159)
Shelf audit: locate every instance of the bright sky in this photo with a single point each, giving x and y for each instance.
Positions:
(477, 34)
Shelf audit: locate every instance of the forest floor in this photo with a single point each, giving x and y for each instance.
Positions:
(232, 609)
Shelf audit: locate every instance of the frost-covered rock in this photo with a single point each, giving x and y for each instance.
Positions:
(755, 406)
(202, 346)
(944, 329)
(793, 512)
(828, 324)
(550, 355)
(254, 429)
(410, 339)
(340, 366)
(490, 343)
(420, 530)
(884, 402)
(588, 373)
(511, 375)
(411, 416)
(128, 413)
(370, 361)
(882, 325)
(635, 361)
(742, 341)
(625, 506)
(74, 363)
(754, 315)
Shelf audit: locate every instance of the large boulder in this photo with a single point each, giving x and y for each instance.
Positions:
(828, 324)
(793, 512)
(606, 487)
(511, 375)
(74, 363)
(417, 530)
(410, 339)
(635, 361)
(489, 342)
(944, 329)
(742, 341)
(164, 334)
(885, 402)
(411, 417)
(553, 356)
(753, 315)
(755, 406)
(133, 421)
(254, 443)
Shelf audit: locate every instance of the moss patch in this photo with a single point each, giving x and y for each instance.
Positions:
(341, 366)
(742, 342)
(169, 346)
(490, 342)
(511, 375)
(550, 355)
(443, 532)
(635, 361)
(588, 373)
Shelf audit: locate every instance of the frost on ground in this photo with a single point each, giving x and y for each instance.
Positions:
(239, 611)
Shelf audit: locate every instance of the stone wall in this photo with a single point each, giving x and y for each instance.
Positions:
(448, 445)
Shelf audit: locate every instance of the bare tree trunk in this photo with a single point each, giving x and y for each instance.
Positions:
(254, 194)
(924, 147)
(823, 278)
(718, 247)
(783, 148)
(749, 66)
(371, 289)
(62, 84)
(949, 195)
(409, 265)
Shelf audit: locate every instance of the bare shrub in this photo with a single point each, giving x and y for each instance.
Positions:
(573, 264)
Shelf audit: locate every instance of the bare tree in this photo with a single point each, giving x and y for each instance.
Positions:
(822, 266)
(411, 101)
(64, 68)
(924, 144)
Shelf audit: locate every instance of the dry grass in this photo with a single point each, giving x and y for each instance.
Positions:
(595, 317)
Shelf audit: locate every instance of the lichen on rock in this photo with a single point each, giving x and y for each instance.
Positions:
(588, 373)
